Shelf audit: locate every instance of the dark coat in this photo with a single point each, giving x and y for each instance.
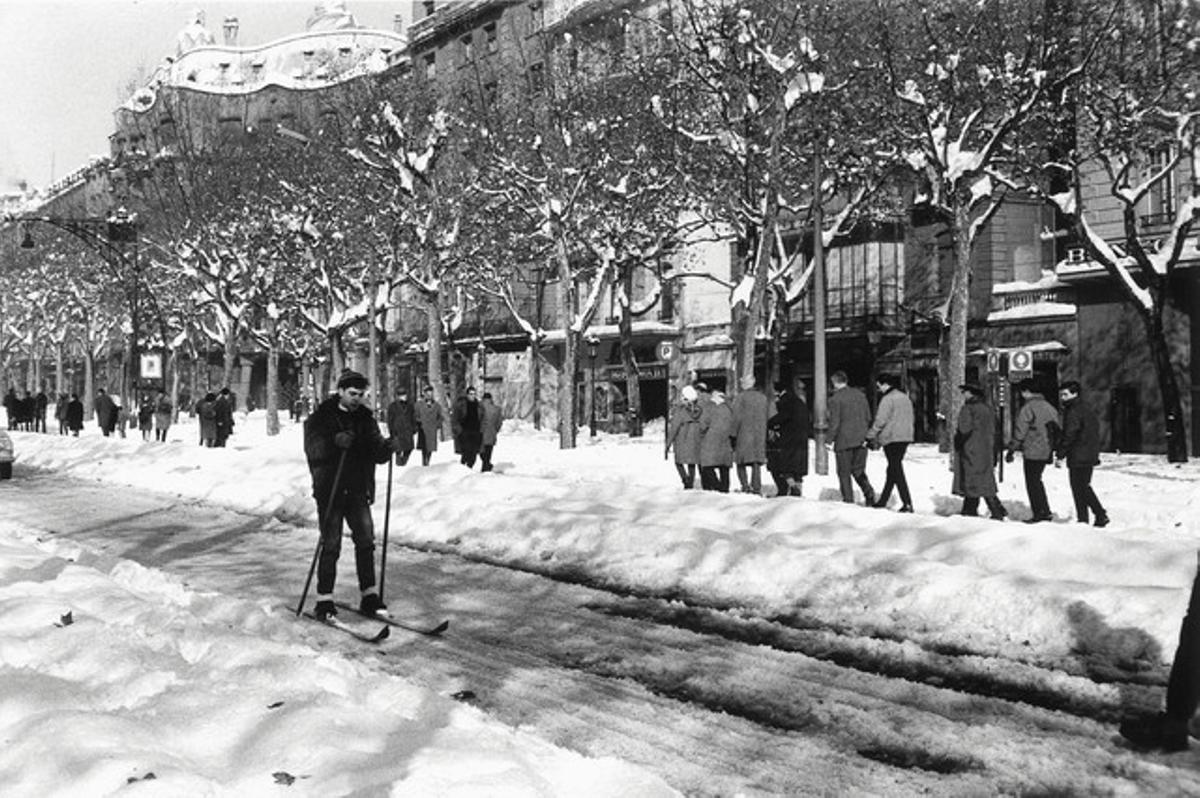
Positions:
(1080, 439)
(224, 416)
(402, 425)
(106, 412)
(206, 411)
(467, 425)
(75, 415)
(787, 436)
(369, 448)
(750, 426)
(684, 433)
(975, 450)
(146, 415)
(849, 418)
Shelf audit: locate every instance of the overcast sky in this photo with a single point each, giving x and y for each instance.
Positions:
(65, 65)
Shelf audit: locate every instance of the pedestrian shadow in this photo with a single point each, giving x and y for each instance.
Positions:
(1126, 658)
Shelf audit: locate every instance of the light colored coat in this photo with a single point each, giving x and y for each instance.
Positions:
(1032, 435)
(716, 428)
(491, 421)
(893, 419)
(7, 452)
(684, 433)
(750, 426)
(429, 420)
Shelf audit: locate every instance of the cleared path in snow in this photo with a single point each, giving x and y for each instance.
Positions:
(693, 695)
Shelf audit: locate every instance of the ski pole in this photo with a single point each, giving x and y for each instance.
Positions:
(337, 478)
(387, 515)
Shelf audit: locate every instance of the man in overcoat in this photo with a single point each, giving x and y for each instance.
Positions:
(788, 431)
(849, 417)
(750, 435)
(429, 424)
(975, 455)
(402, 425)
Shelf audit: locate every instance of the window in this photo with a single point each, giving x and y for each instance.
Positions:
(1162, 194)
(489, 35)
(537, 79)
(468, 48)
(428, 5)
(430, 65)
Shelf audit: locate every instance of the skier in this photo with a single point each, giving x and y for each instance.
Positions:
(343, 445)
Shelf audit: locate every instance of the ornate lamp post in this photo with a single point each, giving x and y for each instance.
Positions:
(108, 237)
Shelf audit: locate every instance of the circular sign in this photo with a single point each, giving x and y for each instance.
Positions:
(993, 361)
(1020, 360)
(666, 350)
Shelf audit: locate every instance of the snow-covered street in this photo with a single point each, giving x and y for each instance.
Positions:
(855, 650)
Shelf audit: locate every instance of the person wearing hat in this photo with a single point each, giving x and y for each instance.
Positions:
(750, 412)
(975, 454)
(402, 425)
(1035, 435)
(716, 449)
(343, 445)
(892, 430)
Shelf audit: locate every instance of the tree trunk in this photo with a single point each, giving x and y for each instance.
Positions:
(89, 381)
(273, 389)
(954, 351)
(230, 357)
(433, 365)
(633, 384)
(337, 360)
(1172, 401)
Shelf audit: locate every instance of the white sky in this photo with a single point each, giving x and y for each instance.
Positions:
(64, 66)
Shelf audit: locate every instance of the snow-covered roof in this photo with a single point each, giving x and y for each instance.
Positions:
(1034, 310)
(305, 61)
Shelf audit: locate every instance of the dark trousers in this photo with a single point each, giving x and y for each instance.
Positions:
(1080, 478)
(354, 510)
(894, 452)
(970, 506)
(6, 469)
(1183, 688)
(786, 484)
(715, 478)
(485, 456)
(852, 464)
(402, 456)
(468, 458)
(1035, 489)
(687, 474)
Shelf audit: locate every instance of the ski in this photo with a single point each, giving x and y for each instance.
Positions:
(428, 631)
(365, 637)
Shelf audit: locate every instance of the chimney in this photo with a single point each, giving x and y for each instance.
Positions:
(398, 23)
(231, 31)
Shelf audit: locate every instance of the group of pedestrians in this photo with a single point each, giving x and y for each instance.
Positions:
(215, 413)
(710, 435)
(474, 423)
(26, 413)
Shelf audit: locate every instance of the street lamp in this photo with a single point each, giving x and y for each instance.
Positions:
(592, 343)
(106, 237)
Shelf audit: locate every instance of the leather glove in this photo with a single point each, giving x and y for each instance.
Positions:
(343, 439)
(1008, 458)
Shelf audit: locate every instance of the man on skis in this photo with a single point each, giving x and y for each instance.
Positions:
(343, 445)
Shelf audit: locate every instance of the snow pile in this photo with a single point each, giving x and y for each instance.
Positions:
(117, 675)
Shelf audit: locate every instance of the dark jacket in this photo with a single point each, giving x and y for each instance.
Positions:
(787, 436)
(106, 412)
(1080, 439)
(466, 424)
(75, 414)
(402, 425)
(368, 449)
(492, 420)
(975, 450)
(750, 426)
(684, 433)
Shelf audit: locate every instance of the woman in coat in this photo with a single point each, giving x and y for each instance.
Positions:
(146, 417)
(429, 424)
(75, 415)
(163, 410)
(787, 435)
(716, 446)
(206, 411)
(684, 435)
(975, 455)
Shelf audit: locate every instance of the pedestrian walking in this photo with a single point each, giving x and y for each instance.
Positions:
(7, 455)
(1079, 445)
(402, 425)
(41, 405)
(892, 430)
(342, 445)
(223, 409)
(684, 435)
(164, 413)
(1036, 431)
(75, 415)
(788, 431)
(849, 418)
(465, 424)
(122, 416)
(750, 411)
(716, 443)
(975, 449)
(489, 426)
(206, 413)
(429, 425)
(106, 413)
(146, 417)
(60, 414)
